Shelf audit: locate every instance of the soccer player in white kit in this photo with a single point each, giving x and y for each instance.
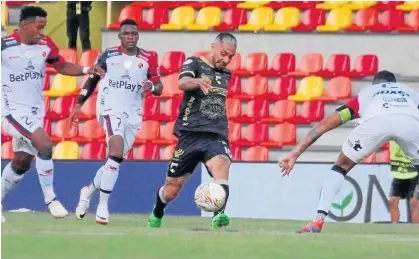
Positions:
(130, 73)
(24, 55)
(387, 110)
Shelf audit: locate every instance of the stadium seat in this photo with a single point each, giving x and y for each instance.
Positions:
(255, 154)
(364, 19)
(310, 88)
(151, 108)
(47, 82)
(201, 4)
(408, 6)
(147, 152)
(337, 20)
(387, 5)
(172, 62)
(170, 86)
(310, 63)
(338, 88)
(252, 4)
(365, 65)
(234, 86)
(88, 110)
(383, 156)
(62, 85)
(154, 18)
(158, 4)
(63, 130)
(281, 111)
(7, 151)
(61, 107)
(89, 57)
(337, 64)
(282, 87)
(5, 137)
(330, 5)
(359, 5)
(388, 21)
(232, 19)
(282, 64)
(70, 55)
(253, 87)
(93, 151)
(252, 135)
(285, 19)
(254, 111)
(166, 135)
(234, 131)
(369, 159)
(233, 108)
(180, 18)
(207, 18)
(90, 131)
(284, 134)
(128, 12)
(254, 63)
(235, 62)
(170, 110)
(311, 111)
(66, 150)
(411, 24)
(302, 5)
(201, 53)
(167, 153)
(310, 19)
(235, 153)
(149, 131)
(259, 18)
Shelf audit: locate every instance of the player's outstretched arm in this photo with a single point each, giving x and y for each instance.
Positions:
(190, 83)
(70, 69)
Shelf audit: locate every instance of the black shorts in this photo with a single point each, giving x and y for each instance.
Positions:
(195, 147)
(405, 189)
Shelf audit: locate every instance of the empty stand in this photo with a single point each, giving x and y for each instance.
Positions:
(364, 19)
(311, 87)
(128, 12)
(93, 151)
(310, 19)
(233, 108)
(166, 135)
(147, 152)
(284, 134)
(207, 18)
(66, 150)
(411, 24)
(234, 86)
(232, 19)
(252, 135)
(88, 57)
(282, 64)
(282, 87)
(365, 65)
(234, 131)
(254, 111)
(170, 86)
(253, 87)
(338, 88)
(167, 153)
(61, 107)
(337, 20)
(151, 108)
(149, 131)
(170, 110)
(254, 63)
(259, 18)
(337, 64)
(180, 18)
(255, 154)
(281, 111)
(310, 63)
(172, 62)
(285, 19)
(62, 130)
(311, 111)
(155, 17)
(388, 21)
(90, 131)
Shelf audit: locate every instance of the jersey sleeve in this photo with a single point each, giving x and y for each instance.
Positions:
(190, 68)
(153, 69)
(350, 110)
(54, 55)
(101, 60)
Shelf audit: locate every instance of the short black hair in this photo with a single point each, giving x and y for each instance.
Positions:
(384, 76)
(128, 22)
(31, 12)
(227, 37)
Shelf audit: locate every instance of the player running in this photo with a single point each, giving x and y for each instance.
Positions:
(24, 55)
(201, 127)
(130, 73)
(387, 110)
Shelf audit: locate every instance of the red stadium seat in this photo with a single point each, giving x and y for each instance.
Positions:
(236, 153)
(310, 63)
(234, 86)
(149, 131)
(201, 4)
(411, 24)
(147, 152)
(133, 12)
(253, 87)
(47, 82)
(93, 151)
(88, 110)
(310, 19)
(200, 53)
(297, 4)
(61, 107)
(232, 19)
(154, 18)
(282, 110)
(170, 110)
(7, 151)
(170, 86)
(159, 4)
(337, 64)
(235, 63)
(282, 63)
(89, 57)
(383, 156)
(234, 131)
(364, 19)
(172, 62)
(4, 136)
(233, 108)
(338, 88)
(284, 134)
(253, 134)
(63, 130)
(91, 131)
(310, 111)
(166, 135)
(168, 152)
(151, 108)
(388, 21)
(254, 63)
(70, 55)
(282, 87)
(255, 110)
(256, 154)
(387, 5)
(370, 159)
(365, 65)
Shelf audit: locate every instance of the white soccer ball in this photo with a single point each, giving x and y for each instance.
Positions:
(210, 197)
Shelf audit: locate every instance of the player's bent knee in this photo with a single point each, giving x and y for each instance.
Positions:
(116, 146)
(20, 166)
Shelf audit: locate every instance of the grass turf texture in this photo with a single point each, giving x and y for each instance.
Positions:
(38, 235)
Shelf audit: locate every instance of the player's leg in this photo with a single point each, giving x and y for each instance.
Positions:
(415, 213)
(396, 192)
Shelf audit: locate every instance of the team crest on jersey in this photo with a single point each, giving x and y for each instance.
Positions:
(126, 75)
(140, 65)
(30, 66)
(43, 54)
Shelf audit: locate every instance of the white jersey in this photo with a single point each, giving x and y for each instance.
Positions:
(22, 74)
(120, 91)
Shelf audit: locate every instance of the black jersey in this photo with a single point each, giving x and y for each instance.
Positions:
(200, 112)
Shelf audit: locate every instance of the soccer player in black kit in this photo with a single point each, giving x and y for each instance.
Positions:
(201, 127)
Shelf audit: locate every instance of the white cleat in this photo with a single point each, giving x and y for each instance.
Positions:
(102, 215)
(57, 210)
(83, 205)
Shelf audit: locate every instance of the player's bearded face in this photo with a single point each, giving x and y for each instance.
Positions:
(223, 53)
(35, 28)
(128, 36)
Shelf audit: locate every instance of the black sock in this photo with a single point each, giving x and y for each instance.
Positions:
(160, 205)
(227, 190)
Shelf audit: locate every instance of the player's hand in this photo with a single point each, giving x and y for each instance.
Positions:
(204, 84)
(286, 164)
(74, 115)
(96, 70)
(147, 85)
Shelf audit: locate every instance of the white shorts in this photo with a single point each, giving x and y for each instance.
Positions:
(370, 135)
(118, 124)
(21, 127)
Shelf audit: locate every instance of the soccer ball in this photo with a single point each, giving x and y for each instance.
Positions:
(210, 197)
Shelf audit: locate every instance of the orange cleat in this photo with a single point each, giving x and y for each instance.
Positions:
(313, 227)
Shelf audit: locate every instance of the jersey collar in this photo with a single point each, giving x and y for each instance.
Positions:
(121, 51)
(16, 36)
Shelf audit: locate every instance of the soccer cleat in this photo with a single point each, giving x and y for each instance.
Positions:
(153, 221)
(219, 221)
(102, 215)
(83, 205)
(56, 209)
(313, 227)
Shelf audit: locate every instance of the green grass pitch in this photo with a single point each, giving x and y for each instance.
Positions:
(37, 235)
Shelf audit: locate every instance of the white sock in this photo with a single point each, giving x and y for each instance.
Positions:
(45, 169)
(9, 179)
(95, 185)
(110, 172)
(331, 187)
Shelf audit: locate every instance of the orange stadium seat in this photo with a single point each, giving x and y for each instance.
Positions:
(172, 62)
(311, 111)
(364, 19)
(281, 111)
(338, 88)
(207, 18)
(337, 64)
(62, 85)
(88, 110)
(284, 134)
(66, 150)
(370, 159)
(388, 21)
(70, 55)
(88, 58)
(90, 131)
(61, 107)
(282, 87)
(259, 18)
(149, 131)
(166, 135)
(63, 130)
(282, 64)
(365, 65)
(255, 154)
(411, 24)
(93, 151)
(233, 107)
(151, 108)
(5, 136)
(170, 110)
(234, 131)
(200, 53)
(254, 63)
(232, 19)
(252, 4)
(170, 86)
(7, 151)
(253, 87)
(254, 111)
(253, 134)
(310, 63)
(337, 20)
(168, 152)
(235, 63)
(285, 19)
(310, 19)
(408, 6)
(234, 86)
(147, 152)
(310, 88)
(128, 12)
(180, 18)
(154, 18)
